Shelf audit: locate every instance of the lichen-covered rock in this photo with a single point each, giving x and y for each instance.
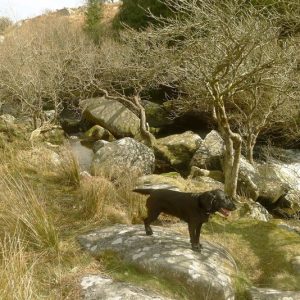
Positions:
(123, 154)
(269, 182)
(209, 152)
(111, 115)
(270, 294)
(178, 149)
(256, 211)
(289, 176)
(207, 275)
(99, 144)
(96, 287)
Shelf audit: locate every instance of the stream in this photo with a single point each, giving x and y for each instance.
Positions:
(83, 152)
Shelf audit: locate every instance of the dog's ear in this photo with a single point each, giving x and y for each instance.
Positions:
(206, 200)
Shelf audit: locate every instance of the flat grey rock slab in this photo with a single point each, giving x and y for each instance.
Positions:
(270, 294)
(96, 287)
(207, 275)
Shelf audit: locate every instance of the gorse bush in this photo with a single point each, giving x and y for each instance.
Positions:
(93, 17)
(135, 13)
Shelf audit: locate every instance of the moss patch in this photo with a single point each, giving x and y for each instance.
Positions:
(262, 250)
(119, 270)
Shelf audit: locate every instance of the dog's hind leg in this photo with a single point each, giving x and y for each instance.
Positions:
(152, 216)
(197, 240)
(153, 213)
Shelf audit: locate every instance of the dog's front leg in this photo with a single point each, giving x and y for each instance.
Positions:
(193, 236)
(198, 230)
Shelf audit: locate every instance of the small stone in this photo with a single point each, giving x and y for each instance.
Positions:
(296, 264)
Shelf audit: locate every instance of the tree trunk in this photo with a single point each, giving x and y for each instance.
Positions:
(251, 141)
(233, 146)
(147, 136)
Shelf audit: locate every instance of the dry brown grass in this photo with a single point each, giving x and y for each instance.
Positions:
(109, 197)
(41, 214)
(16, 270)
(69, 169)
(23, 210)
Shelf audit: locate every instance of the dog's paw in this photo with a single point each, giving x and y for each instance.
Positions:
(149, 232)
(197, 248)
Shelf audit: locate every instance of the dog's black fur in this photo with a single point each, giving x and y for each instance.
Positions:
(193, 208)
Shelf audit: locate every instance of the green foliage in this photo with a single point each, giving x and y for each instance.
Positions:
(93, 17)
(135, 13)
(4, 23)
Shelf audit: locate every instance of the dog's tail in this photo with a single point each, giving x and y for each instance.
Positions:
(143, 191)
(148, 190)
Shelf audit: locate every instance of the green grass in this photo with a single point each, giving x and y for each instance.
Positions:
(115, 267)
(262, 251)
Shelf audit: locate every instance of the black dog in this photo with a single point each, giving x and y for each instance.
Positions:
(193, 208)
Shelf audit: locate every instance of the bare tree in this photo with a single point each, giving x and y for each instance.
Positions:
(44, 63)
(225, 56)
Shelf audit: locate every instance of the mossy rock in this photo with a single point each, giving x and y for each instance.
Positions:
(178, 149)
(98, 133)
(157, 115)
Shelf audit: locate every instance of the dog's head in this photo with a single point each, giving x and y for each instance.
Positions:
(216, 200)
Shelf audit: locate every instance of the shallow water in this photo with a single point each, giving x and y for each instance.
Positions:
(83, 153)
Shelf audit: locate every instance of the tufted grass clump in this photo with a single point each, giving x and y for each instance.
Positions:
(124, 181)
(110, 199)
(68, 170)
(16, 270)
(23, 210)
(96, 194)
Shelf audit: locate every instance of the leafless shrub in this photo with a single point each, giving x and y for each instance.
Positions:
(227, 58)
(44, 63)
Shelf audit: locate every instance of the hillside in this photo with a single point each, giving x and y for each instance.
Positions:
(74, 15)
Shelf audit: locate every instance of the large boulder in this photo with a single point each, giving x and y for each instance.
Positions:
(270, 184)
(111, 115)
(124, 154)
(97, 287)
(254, 210)
(209, 153)
(207, 275)
(178, 149)
(157, 115)
(289, 176)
